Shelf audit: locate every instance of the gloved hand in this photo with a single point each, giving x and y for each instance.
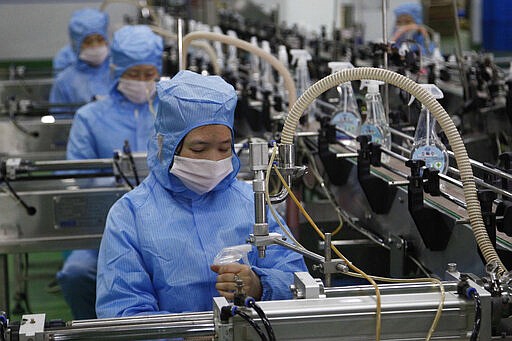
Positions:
(226, 285)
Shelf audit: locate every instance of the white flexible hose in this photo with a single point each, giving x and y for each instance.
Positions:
(241, 44)
(201, 44)
(422, 95)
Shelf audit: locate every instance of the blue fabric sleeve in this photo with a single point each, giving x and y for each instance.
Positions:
(81, 143)
(57, 94)
(124, 287)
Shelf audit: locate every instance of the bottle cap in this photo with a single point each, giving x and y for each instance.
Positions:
(432, 89)
(338, 66)
(300, 55)
(372, 85)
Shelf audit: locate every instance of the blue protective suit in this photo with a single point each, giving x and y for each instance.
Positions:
(64, 58)
(416, 12)
(97, 130)
(161, 238)
(412, 9)
(81, 82)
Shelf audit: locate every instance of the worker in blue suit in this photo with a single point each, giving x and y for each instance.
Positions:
(89, 77)
(409, 28)
(101, 127)
(161, 239)
(64, 58)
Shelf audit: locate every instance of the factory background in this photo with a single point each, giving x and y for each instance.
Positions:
(392, 188)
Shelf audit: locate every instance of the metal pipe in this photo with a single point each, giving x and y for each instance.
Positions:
(311, 255)
(327, 255)
(181, 61)
(385, 41)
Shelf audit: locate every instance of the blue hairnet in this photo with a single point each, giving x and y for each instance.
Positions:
(413, 9)
(85, 22)
(135, 45)
(187, 101)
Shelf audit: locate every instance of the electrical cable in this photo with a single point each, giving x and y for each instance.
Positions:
(327, 192)
(340, 255)
(31, 210)
(444, 120)
(116, 164)
(269, 202)
(478, 316)
(251, 303)
(127, 151)
(249, 320)
(20, 128)
(359, 273)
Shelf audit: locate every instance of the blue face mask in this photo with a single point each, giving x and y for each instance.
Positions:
(200, 175)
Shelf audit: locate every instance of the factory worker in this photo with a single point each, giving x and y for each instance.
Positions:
(101, 127)
(89, 77)
(161, 239)
(409, 28)
(64, 58)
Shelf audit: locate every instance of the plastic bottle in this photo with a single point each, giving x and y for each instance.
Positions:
(232, 60)
(376, 124)
(267, 83)
(427, 145)
(254, 77)
(302, 78)
(347, 117)
(233, 254)
(217, 45)
(282, 55)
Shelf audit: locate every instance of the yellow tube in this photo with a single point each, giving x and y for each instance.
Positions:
(241, 44)
(444, 120)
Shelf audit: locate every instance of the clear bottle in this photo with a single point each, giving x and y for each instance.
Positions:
(427, 145)
(302, 78)
(283, 58)
(347, 116)
(376, 124)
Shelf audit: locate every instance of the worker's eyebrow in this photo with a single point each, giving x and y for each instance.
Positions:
(203, 142)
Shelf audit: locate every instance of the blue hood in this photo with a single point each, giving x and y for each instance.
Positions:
(413, 9)
(187, 101)
(135, 45)
(85, 22)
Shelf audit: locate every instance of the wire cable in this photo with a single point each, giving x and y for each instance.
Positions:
(444, 120)
(251, 303)
(478, 316)
(340, 255)
(31, 210)
(269, 202)
(127, 151)
(121, 173)
(249, 320)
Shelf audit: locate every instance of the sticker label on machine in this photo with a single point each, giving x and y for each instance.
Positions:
(82, 210)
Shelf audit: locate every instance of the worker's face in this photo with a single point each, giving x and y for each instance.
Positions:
(211, 142)
(93, 40)
(144, 73)
(404, 19)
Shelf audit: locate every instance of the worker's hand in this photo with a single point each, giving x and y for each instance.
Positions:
(226, 285)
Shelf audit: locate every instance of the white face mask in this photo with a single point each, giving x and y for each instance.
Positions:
(94, 55)
(137, 91)
(200, 175)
